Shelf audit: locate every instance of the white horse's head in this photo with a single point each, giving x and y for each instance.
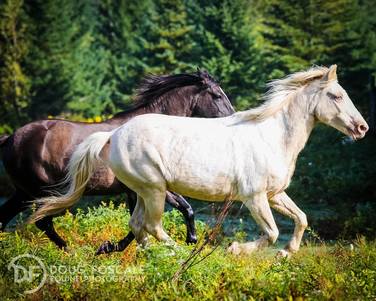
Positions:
(335, 108)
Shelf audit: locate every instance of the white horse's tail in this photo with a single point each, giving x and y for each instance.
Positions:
(80, 169)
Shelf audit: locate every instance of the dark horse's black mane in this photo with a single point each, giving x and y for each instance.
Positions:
(153, 87)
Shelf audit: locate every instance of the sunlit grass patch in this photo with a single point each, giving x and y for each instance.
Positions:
(317, 271)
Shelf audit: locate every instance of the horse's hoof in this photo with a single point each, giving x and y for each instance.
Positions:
(191, 240)
(67, 250)
(62, 245)
(234, 248)
(283, 254)
(105, 248)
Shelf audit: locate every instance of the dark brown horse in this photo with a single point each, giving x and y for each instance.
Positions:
(36, 155)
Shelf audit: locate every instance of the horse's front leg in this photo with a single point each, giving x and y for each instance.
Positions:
(284, 205)
(178, 202)
(261, 212)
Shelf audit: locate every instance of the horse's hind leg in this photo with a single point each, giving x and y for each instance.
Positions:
(121, 245)
(136, 222)
(46, 225)
(178, 202)
(146, 218)
(262, 214)
(154, 208)
(18, 203)
(14, 205)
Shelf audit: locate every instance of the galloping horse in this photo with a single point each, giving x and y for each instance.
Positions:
(249, 156)
(36, 155)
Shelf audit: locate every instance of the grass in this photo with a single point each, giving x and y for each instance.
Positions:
(318, 272)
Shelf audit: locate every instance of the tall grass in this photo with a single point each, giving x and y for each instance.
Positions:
(317, 272)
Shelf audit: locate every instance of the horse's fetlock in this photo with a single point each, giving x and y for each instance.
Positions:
(273, 236)
(190, 213)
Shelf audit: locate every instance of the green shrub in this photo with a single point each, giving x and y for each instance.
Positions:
(316, 272)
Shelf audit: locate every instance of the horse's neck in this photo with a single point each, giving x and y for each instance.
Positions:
(123, 117)
(297, 124)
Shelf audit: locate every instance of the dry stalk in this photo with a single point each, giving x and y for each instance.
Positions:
(193, 258)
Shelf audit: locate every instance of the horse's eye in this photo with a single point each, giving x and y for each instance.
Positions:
(216, 95)
(334, 97)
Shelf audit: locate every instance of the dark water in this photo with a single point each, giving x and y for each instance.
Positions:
(238, 219)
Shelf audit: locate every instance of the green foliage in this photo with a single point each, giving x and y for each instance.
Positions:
(337, 176)
(365, 52)
(14, 47)
(83, 58)
(67, 62)
(320, 272)
(168, 41)
(226, 44)
(123, 27)
(299, 34)
(53, 34)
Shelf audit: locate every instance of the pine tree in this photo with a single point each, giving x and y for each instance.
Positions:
(68, 63)
(299, 34)
(89, 65)
(123, 26)
(365, 53)
(53, 34)
(293, 34)
(226, 44)
(14, 83)
(167, 42)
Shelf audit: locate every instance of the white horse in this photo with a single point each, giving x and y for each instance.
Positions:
(249, 156)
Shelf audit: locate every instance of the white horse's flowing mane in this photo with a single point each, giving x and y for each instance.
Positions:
(280, 92)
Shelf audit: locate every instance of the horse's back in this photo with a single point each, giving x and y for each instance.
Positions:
(175, 151)
(173, 134)
(37, 154)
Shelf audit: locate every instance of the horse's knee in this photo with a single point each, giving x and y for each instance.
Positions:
(303, 223)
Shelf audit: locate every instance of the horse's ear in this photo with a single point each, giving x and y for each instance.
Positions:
(331, 74)
(200, 73)
(204, 76)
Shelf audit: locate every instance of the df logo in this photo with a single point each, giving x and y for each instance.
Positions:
(30, 269)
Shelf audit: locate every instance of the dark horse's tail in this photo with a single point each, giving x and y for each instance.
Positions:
(3, 139)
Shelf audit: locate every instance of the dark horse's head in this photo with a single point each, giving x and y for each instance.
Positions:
(193, 95)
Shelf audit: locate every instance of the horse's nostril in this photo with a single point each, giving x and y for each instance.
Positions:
(362, 128)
